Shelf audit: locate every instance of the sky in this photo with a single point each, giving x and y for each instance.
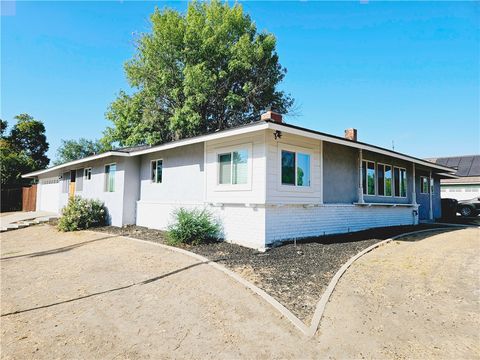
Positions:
(403, 73)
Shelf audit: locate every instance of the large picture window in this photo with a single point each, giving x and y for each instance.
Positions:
(368, 174)
(233, 167)
(384, 179)
(110, 171)
(157, 167)
(295, 168)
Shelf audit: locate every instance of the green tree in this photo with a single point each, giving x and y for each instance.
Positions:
(23, 150)
(3, 127)
(77, 149)
(28, 136)
(205, 70)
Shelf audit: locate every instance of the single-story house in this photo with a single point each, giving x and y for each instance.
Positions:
(466, 184)
(267, 181)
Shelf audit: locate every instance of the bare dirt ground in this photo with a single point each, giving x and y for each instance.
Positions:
(89, 295)
(295, 275)
(418, 297)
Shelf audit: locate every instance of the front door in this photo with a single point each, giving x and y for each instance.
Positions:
(71, 190)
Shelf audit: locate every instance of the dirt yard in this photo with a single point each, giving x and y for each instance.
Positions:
(295, 275)
(418, 297)
(90, 295)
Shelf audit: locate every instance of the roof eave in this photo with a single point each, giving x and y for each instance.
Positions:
(75, 162)
(356, 144)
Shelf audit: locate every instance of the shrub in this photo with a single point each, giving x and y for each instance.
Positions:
(193, 227)
(82, 214)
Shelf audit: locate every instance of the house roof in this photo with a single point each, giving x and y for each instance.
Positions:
(254, 126)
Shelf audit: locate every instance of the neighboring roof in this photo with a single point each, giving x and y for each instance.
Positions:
(255, 126)
(470, 180)
(465, 166)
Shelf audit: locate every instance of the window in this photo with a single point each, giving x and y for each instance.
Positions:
(87, 173)
(157, 166)
(233, 167)
(400, 182)
(295, 168)
(110, 171)
(368, 174)
(424, 188)
(403, 182)
(384, 180)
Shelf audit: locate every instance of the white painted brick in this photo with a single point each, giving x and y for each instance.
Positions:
(287, 222)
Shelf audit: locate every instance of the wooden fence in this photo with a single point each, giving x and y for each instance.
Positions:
(29, 198)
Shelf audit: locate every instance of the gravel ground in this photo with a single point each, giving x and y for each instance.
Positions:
(294, 275)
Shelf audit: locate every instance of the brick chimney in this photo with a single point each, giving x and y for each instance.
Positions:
(351, 134)
(271, 115)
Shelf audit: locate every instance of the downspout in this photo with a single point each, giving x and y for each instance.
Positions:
(414, 190)
(431, 198)
(414, 197)
(360, 165)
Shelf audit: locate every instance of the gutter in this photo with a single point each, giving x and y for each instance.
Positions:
(76, 162)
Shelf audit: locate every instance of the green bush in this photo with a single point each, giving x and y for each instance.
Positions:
(82, 214)
(193, 227)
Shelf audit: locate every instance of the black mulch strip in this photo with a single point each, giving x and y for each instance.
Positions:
(294, 275)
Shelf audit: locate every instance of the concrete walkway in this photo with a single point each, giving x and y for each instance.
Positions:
(21, 219)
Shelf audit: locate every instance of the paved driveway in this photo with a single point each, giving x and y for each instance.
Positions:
(87, 295)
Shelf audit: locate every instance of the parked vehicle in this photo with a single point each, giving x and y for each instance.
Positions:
(449, 208)
(470, 207)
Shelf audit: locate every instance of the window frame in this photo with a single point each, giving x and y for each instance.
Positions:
(421, 185)
(400, 196)
(87, 173)
(231, 149)
(295, 149)
(384, 182)
(365, 183)
(107, 177)
(156, 173)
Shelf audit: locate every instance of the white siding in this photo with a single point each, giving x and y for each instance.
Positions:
(121, 206)
(254, 192)
(281, 194)
(182, 176)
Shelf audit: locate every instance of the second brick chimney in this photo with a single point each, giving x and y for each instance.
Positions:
(271, 115)
(351, 134)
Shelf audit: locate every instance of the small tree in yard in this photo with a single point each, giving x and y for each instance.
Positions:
(193, 227)
(80, 214)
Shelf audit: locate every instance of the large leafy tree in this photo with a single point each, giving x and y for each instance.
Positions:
(77, 149)
(205, 70)
(22, 150)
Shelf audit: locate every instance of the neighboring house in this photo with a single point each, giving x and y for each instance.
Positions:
(266, 181)
(466, 185)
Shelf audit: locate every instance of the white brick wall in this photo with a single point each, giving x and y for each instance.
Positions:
(241, 225)
(291, 221)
